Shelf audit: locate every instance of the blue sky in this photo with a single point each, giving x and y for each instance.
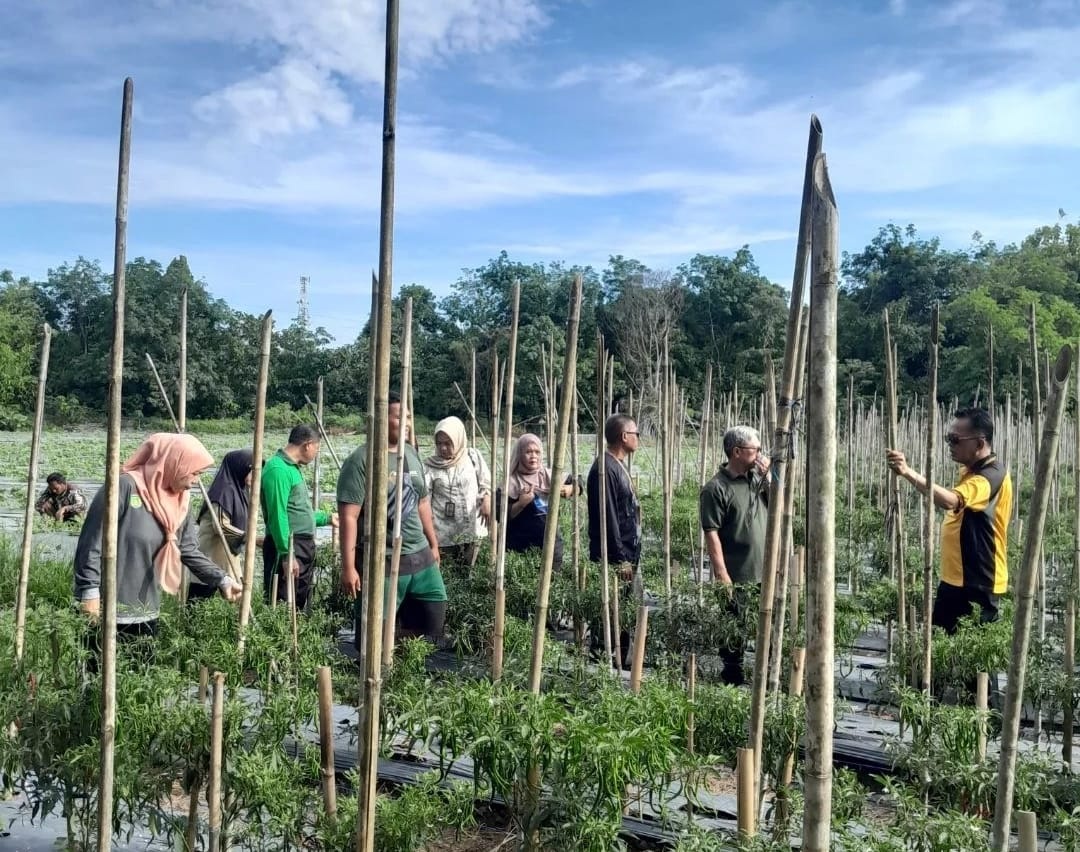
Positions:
(556, 129)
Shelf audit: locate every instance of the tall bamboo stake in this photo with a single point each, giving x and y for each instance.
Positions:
(252, 530)
(821, 533)
(112, 487)
(1025, 593)
(390, 620)
(472, 400)
(217, 737)
(31, 494)
(181, 396)
(667, 392)
(897, 564)
(703, 473)
(853, 572)
(379, 471)
(316, 465)
(990, 367)
(929, 516)
(575, 533)
(508, 417)
(551, 529)
(1036, 420)
(496, 395)
(776, 641)
(326, 741)
(601, 456)
(1069, 641)
(780, 450)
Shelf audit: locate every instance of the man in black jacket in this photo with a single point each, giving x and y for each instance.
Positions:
(623, 511)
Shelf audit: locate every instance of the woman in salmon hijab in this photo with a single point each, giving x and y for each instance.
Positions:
(156, 538)
(528, 495)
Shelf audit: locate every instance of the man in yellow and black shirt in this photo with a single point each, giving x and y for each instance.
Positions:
(974, 570)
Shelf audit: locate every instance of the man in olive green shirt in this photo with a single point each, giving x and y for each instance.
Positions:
(421, 594)
(734, 515)
(286, 508)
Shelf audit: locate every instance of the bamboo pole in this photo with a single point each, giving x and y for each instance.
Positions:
(601, 455)
(1028, 830)
(112, 487)
(897, 564)
(776, 641)
(379, 470)
(796, 682)
(691, 693)
(1036, 420)
(31, 494)
(746, 800)
(181, 396)
(252, 530)
(551, 528)
(390, 619)
(472, 399)
(990, 367)
(780, 449)
(929, 512)
(290, 585)
(500, 563)
(316, 412)
(1069, 640)
(316, 465)
(575, 533)
(496, 395)
(982, 705)
(853, 571)
(703, 473)
(1025, 590)
(326, 742)
(666, 406)
(640, 632)
(213, 787)
(821, 512)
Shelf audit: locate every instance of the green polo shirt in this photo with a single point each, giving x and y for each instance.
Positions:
(737, 509)
(286, 502)
(352, 488)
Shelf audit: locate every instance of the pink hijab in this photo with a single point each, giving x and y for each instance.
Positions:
(540, 480)
(159, 461)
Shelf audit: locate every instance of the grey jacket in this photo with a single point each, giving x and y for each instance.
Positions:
(139, 538)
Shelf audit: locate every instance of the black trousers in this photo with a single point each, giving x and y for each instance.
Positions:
(733, 655)
(954, 602)
(274, 563)
(126, 634)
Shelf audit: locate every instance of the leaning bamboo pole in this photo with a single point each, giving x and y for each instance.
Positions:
(821, 532)
(601, 457)
(780, 450)
(213, 786)
(493, 521)
(929, 513)
(472, 399)
(508, 417)
(1069, 642)
(316, 465)
(327, 772)
(791, 471)
(252, 530)
(1025, 593)
(390, 618)
(551, 529)
(703, 473)
(182, 392)
(897, 563)
(990, 368)
(378, 473)
(31, 494)
(1036, 420)
(112, 487)
(667, 392)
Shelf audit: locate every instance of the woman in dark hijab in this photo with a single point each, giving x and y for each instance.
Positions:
(229, 500)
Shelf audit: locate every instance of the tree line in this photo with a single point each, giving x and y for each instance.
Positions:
(711, 309)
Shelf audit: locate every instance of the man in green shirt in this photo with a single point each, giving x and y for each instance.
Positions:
(734, 516)
(421, 594)
(286, 508)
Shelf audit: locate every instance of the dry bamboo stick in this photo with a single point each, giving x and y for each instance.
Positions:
(390, 617)
(982, 705)
(1028, 831)
(821, 512)
(746, 800)
(796, 682)
(1069, 640)
(610, 623)
(1025, 589)
(780, 450)
(641, 630)
(500, 564)
(326, 742)
(316, 465)
(703, 473)
(213, 787)
(929, 513)
(472, 399)
(252, 530)
(112, 488)
(31, 494)
(551, 528)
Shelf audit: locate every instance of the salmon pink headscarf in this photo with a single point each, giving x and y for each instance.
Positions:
(156, 465)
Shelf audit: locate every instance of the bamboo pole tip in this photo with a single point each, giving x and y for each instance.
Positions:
(1063, 364)
(822, 184)
(935, 323)
(266, 316)
(815, 124)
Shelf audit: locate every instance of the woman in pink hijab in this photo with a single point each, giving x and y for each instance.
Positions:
(156, 538)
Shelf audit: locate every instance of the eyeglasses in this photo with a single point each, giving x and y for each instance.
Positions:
(635, 434)
(751, 449)
(953, 440)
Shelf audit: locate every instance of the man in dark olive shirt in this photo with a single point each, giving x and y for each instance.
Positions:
(734, 515)
(623, 517)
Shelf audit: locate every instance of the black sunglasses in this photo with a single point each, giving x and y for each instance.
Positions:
(953, 440)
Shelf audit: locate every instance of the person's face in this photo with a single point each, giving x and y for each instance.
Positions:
(630, 437)
(247, 480)
(746, 455)
(443, 445)
(58, 488)
(532, 458)
(185, 480)
(309, 451)
(964, 445)
(394, 422)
